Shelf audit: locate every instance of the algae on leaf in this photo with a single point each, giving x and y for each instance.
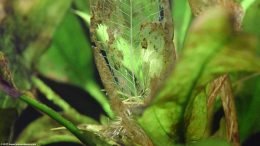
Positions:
(208, 34)
(8, 105)
(133, 52)
(134, 45)
(23, 24)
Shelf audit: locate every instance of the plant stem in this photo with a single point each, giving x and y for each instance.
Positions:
(57, 117)
(50, 94)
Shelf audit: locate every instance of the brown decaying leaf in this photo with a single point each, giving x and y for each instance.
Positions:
(103, 13)
(2, 10)
(228, 103)
(124, 126)
(222, 84)
(125, 129)
(106, 13)
(215, 88)
(6, 82)
(199, 6)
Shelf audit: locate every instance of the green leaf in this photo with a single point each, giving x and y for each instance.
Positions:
(9, 105)
(57, 100)
(182, 18)
(45, 130)
(40, 131)
(51, 95)
(218, 53)
(35, 32)
(69, 59)
(29, 25)
(88, 137)
(82, 5)
(207, 36)
(208, 42)
(248, 96)
(251, 21)
(228, 59)
(7, 123)
(211, 142)
(196, 118)
(160, 123)
(248, 100)
(85, 17)
(246, 4)
(23, 22)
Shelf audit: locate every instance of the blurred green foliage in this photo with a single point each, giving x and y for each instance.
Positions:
(47, 38)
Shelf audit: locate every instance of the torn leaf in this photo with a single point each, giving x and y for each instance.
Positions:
(134, 45)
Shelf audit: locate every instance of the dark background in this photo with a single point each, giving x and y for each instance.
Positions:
(84, 104)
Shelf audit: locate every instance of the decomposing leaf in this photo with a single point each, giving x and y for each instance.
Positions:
(6, 80)
(27, 24)
(207, 36)
(208, 42)
(24, 25)
(134, 52)
(221, 84)
(200, 6)
(213, 29)
(136, 44)
(8, 101)
(228, 102)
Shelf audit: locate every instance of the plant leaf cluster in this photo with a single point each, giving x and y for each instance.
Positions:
(167, 68)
